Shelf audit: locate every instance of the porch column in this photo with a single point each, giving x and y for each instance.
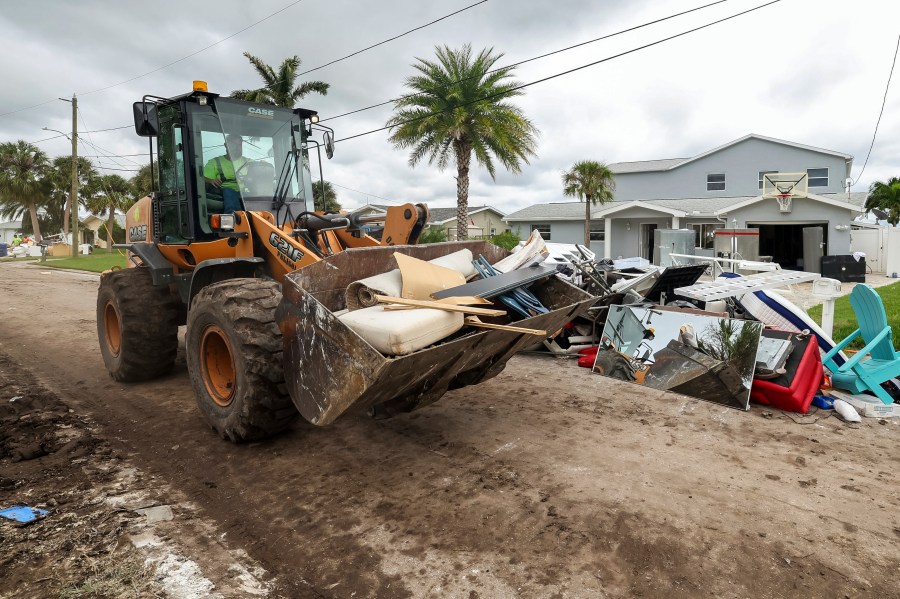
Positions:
(607, 237)
(675, 222)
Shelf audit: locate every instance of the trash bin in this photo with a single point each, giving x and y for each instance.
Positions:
(3, 253)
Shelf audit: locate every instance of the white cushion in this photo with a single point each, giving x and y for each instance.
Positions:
(399, 332)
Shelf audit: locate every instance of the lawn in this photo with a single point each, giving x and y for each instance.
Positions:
(845, 320)
(96, 262)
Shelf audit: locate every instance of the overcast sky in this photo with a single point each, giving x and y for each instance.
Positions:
(807, 71)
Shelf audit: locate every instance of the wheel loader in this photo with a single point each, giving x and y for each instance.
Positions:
(230, 244)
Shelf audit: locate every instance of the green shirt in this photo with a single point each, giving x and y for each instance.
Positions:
(223, 168)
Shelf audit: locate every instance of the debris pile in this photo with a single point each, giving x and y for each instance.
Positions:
(731, 339)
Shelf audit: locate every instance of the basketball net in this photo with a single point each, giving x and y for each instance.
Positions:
(784, 201)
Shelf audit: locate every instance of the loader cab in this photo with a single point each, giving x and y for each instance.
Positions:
(272, 172)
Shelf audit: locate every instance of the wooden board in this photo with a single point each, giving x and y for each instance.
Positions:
(384, 299)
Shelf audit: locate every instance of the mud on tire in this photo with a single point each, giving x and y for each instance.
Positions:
(137, 325)
(234, 354)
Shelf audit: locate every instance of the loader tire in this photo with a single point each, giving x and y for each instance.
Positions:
(612, 364)
(234, 356)
(137, 325)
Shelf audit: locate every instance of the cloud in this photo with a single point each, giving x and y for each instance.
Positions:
(793, 70)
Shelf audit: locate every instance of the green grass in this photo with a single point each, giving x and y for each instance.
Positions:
(845, 321)
(96, 262)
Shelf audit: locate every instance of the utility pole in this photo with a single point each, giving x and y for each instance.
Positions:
(73, 201)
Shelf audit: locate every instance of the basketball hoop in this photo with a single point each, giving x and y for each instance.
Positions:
(784, 201)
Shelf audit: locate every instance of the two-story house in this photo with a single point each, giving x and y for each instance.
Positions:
(720, 188)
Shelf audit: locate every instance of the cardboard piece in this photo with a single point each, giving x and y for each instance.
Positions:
(361, 294)
(421, 279)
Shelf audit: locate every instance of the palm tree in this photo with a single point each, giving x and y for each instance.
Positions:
(22, 183)
(112, 193)
(591, 182)
(886, 196)
(278, 88)
(330, 202)
(59, 180)
(458, 106)
(141, 182)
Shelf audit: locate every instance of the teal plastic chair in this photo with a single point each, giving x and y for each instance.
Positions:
(859, 374)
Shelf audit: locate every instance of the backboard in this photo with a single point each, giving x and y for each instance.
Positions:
(783, 187)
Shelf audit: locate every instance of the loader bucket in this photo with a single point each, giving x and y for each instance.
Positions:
(329, 369)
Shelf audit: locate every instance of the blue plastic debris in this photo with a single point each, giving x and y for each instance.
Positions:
(824, 402)
(23, 513)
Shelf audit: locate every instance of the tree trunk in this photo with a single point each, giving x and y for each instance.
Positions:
(463, 158)
(110, 227)
(587, 222)
(35, 225)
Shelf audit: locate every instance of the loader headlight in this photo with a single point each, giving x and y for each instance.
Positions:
(222, 222)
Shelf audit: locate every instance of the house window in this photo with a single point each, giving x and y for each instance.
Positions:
(763, 174)
(544, 230)
(598, 234)
(817, 177)
(704, 235)
(715, 182)
(493, 231)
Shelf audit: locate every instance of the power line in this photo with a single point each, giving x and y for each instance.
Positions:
(47, 139)
(110, 129)
(521, 62)
(881, 112)
(366, 193)
(391, 39)
(112, 155)
(112, 168)
(568, 72)
(90, 142)
(165, 66)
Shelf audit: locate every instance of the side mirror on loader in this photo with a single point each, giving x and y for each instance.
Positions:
(146, 119)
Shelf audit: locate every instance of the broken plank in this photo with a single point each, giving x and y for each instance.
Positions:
(385, 299)
(474, 321)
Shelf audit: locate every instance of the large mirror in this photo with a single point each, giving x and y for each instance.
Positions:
(701, 355)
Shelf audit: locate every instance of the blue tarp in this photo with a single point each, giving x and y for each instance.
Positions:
(23, 513)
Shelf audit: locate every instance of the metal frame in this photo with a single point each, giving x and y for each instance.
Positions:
(725, 288)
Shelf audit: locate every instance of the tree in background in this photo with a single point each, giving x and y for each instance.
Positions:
(59, 180)
(886, 196)
(111, 193)
(23, 186)
(279, 88)
(458, 107)
(141, 183)
(591, 182)
(330, 197)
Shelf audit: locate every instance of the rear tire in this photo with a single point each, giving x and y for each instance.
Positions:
(234, 356)
(137, 325)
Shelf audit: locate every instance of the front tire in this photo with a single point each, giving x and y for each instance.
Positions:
(137, 325)
(234, 356)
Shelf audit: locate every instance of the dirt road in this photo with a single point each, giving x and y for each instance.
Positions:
(546, 481)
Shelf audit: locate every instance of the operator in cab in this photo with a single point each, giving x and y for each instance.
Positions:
(221, 172)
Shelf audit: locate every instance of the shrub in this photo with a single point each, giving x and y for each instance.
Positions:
(433, 235)
(507, 240)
